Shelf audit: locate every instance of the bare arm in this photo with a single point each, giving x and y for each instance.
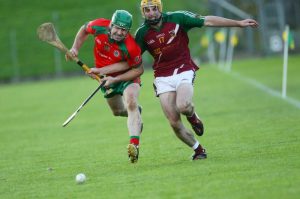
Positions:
(80, 38)
(216, 21)
(127, 76)
(113, 68)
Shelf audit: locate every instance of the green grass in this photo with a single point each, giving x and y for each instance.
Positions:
(269, 72)
(252, 141)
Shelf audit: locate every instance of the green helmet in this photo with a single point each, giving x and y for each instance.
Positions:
(122, 18)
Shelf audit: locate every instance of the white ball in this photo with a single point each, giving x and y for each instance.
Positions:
(80, 178)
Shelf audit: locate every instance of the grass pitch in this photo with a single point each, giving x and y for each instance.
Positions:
(252, 140)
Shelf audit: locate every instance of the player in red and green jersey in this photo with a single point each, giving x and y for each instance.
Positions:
(114, 44)
(164, 36)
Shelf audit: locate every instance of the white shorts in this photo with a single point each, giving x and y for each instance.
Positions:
(171, 83)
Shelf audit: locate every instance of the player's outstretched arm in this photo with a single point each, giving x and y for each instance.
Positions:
(249, 22)
(215, 21)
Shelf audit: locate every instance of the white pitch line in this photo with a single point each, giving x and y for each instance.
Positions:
(266, 89)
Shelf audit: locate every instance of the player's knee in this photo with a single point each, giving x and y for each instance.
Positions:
(132, 105)
(185, 107)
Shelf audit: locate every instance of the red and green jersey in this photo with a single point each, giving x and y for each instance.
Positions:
(108, 51)
(169, 44)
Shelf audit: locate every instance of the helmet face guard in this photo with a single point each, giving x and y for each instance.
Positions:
(148, 3)
(122, 19)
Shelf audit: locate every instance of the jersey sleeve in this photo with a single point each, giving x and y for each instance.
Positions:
(188, 20)
(139, 38)
(134, 58)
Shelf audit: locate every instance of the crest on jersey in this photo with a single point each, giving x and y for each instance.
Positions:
(172, 33)
(116, 53)
(137, 59)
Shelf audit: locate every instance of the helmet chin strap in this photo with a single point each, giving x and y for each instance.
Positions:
(153, 21)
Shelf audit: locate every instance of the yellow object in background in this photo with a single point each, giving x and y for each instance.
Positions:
(234, 40)
(220, 36)
(289, 38)
(204, 41)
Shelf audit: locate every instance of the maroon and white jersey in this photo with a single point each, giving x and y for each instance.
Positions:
(169, 44)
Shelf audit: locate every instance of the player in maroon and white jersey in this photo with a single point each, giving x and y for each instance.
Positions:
(164, 36)
(114, 44)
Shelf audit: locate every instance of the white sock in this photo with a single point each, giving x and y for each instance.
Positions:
(196, 145)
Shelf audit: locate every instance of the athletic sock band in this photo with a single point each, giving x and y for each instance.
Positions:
(134, 140)
(196, 145)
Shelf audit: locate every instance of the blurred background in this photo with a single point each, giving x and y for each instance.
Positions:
(25, 58)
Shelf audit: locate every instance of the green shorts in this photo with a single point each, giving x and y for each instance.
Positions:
(115, 89)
